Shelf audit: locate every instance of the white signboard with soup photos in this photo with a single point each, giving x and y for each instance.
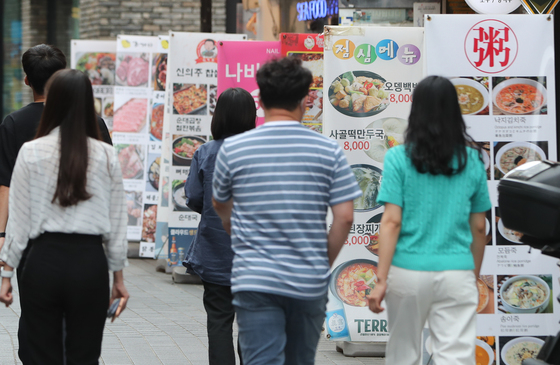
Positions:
(503, 70)
(369, 76)
(140, 78)
(190, 101)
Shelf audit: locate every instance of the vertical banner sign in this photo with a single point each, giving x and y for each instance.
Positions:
(235, 69)
(191, 94)
(370, 73)
(165, 160)
(508, 102)
(158, 80)
(97, 60)
(132, 138)
(309, 48)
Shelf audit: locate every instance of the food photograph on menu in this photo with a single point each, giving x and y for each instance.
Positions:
(159, 71)
(509, 155)
(133, 69)
(131, 159)
(519, 95)
(190, 99)
(516, 349)
(392, 135)
(131, 116)
(184, 148)
(472, 94)
(358, 94)
(525, 294)
(149, 222)
(99, 66)
(156, 121)
(178, 196)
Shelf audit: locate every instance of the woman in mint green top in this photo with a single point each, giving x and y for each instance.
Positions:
(432, 234)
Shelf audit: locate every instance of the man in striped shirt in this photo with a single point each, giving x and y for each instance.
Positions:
(272, 188)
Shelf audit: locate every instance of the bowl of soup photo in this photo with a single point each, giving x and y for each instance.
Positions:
(525, 294)
(472, 96)
(521, 348)
(519, 96)
(353, 280)
(484, 355)
(515, 154)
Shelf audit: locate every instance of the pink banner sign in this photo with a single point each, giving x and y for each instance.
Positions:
(238, 64)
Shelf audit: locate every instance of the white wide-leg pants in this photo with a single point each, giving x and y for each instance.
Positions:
(447, 300)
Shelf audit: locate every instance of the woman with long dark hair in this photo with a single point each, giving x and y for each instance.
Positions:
(432, 233)
(66, 198)
(210, 255)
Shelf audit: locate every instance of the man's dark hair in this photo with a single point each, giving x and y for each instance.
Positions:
(210, 40)
(40, 63)
(283, 83)
(235, 113)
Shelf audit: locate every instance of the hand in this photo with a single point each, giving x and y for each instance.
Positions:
(119, 291)
(6, 296)
(376, 297)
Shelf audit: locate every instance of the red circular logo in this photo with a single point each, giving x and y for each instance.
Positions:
(491, 46)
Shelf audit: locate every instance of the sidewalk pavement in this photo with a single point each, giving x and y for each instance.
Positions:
(164, 323)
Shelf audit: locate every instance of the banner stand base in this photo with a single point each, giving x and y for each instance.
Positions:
(361, 349)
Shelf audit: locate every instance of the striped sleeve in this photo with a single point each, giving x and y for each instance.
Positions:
(117, 244)
(19, 222)
(221, 182)
(344, 186)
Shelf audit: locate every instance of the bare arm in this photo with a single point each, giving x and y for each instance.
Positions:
(343, 217)
(389, 232)
(224, 212)
(4, 198)
(478, 228)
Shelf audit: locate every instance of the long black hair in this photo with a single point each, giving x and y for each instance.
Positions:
(69, 105)
(436, 133)
(235, 113)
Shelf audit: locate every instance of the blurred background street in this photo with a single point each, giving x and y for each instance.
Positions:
(165, 323)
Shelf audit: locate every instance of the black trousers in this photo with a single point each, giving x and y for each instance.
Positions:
(220, 315)
(66, 275)
(23, 350)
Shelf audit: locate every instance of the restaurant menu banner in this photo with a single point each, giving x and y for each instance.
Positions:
(236, 69)
(308, 48)
(97, 60)
(503, 70)
(369, 76)
(192, 91)
(137, 128)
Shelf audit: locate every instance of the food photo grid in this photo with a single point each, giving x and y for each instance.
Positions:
(485, 351)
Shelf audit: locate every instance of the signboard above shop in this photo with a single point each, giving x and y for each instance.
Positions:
(316, 9)
(494, 7)
(379, 4)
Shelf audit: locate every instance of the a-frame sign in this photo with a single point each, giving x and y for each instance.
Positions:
(539, 6)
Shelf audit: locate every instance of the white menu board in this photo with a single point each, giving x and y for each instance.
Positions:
(190, 101)
(503, 69)
(134, 138)
(369, 76)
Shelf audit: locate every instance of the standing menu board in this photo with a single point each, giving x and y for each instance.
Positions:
(236, 69)
(503, 69)
(134, 138)
(369, 73)
(308, 48)
(97, 60)
(192, 91)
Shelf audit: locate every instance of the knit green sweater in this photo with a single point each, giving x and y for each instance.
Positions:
(435, 232)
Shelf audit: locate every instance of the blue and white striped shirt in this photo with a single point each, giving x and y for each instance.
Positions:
(282, 178)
